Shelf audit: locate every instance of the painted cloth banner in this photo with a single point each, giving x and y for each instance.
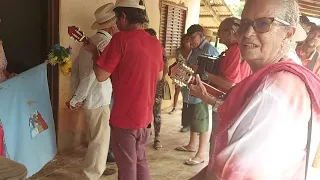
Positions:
(27, 120)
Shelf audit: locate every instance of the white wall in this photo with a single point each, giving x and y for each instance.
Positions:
(193, 13)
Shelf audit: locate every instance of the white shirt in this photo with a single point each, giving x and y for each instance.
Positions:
(293, 55)
(268, 139)
(84, 83)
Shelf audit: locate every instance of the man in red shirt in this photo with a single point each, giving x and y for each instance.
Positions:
(308, 53)
(232, 68)
(133, 59)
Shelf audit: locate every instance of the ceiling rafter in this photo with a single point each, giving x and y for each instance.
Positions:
(212, 11)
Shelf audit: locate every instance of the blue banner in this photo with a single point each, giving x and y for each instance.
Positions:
(26, 116)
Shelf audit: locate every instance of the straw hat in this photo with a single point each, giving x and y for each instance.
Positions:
(129, 3)
(300, 34)
(105, 17)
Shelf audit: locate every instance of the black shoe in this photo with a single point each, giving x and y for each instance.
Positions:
(109, 172)
(110, 158)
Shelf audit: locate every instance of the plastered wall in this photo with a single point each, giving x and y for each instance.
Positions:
(71, 125)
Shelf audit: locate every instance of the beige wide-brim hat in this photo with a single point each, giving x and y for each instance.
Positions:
(129, 3)
(105, 17)
(300, 34)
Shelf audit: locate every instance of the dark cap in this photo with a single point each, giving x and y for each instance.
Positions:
(315, 28)
(195, 28)
(231, 23)
(304, 19)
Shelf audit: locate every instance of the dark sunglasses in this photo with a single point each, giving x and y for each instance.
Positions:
(261, 25)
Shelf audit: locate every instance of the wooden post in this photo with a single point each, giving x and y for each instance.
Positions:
(316, 160)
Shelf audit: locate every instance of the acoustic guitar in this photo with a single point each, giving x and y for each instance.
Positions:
(76, 34)
(182, 76)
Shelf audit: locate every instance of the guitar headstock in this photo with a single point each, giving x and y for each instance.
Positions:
(76, 34)
(180, 74)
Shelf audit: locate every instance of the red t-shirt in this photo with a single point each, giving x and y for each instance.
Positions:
(231, 67)
(134, 59)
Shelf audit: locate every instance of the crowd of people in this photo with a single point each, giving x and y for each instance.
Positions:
(267, 126)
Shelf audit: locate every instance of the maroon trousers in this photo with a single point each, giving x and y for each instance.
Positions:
(128, 147)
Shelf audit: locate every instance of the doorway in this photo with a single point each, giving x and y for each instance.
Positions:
(28, 29)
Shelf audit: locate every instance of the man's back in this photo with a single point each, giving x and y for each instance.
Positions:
(84, 83)
(134, 58)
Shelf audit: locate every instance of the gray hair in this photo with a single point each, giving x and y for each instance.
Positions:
(288, 10)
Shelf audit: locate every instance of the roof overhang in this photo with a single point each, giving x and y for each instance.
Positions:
(212, 13)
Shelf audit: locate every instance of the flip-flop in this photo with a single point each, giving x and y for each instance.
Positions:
(192, 162)
(184, 149)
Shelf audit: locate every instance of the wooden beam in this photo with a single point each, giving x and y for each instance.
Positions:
(210, 27)
(309, 7)
(217, 5)
(308, 4)
(310, 15)
(215, 15)
(309, 11)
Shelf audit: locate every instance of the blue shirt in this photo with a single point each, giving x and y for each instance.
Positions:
(192, 60)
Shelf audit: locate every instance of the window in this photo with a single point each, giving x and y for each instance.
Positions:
(172, 26)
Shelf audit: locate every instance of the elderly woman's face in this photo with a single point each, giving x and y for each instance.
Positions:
(260, 48)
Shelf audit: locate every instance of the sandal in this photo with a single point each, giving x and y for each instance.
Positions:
(157, 145)
(192, 162)
(184, 149)
(172, 111)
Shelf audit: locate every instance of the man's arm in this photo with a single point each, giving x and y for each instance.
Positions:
(198, 90)
(85, 87)
(105, 64)
(87, 82)
(217, 80)
(101, 46)
(101, 74)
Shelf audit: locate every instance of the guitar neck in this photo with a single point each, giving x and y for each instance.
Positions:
(214, 91)
(211, 90)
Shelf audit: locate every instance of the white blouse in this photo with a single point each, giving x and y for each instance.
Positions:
(268, 140)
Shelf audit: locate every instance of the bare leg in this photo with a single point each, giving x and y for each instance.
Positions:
(193, 141)
(175, 99)
(203, 141)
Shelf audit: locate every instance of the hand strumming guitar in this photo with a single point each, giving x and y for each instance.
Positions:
(197, 89)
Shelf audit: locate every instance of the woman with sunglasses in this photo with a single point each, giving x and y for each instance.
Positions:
(263, 131)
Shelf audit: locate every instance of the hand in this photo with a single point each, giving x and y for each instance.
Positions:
(198, 90)
(12, 75)
(78, 106)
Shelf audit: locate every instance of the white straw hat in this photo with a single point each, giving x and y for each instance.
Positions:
(105, 17)
(129, 3)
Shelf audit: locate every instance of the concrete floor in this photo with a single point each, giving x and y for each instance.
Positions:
(166, 164)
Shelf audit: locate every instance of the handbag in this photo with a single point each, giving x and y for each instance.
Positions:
(166, 94)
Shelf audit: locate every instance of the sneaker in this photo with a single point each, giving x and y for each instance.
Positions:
(185, 129)
(109, 172)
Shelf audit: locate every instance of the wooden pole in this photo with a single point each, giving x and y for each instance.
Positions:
(316, 160)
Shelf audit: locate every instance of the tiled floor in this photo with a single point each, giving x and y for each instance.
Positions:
(166, 164)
